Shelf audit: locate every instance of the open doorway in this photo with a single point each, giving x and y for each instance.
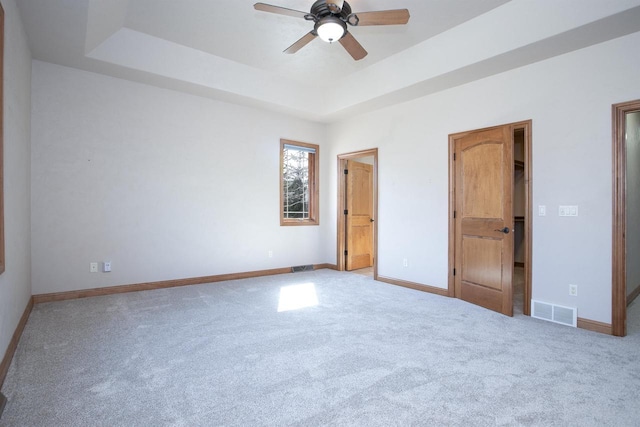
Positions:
(357, 240)
(626, 208)
(520, 169)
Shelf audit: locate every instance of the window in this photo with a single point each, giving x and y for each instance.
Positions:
(298, 183)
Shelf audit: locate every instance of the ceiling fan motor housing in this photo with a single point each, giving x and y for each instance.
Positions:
(335, 6)
(322, 9)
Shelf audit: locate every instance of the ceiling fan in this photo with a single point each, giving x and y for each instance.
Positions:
(331, 18)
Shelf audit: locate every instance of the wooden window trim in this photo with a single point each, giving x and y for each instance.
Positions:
(2, 254)
(314, 183)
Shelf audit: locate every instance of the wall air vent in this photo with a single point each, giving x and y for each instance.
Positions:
(299, 268)
(554, 313)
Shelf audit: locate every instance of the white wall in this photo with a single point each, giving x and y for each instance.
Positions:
(15, 282)
(569, 99)
(162, 184)
(633, 201)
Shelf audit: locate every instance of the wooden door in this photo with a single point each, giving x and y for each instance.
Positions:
(484, 218)
(359, 215)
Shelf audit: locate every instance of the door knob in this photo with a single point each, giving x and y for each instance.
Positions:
(371, 220)
(503, 230)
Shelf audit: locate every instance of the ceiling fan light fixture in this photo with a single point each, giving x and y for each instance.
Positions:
(331, 29)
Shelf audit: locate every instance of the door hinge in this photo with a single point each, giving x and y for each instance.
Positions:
(454, 157)
(454, 271)
(346, 252)
(346, 212)
(454, 214)
(346, 171)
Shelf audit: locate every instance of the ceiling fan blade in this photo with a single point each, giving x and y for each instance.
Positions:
(305, 40)
(263, 7)
(352, 46)
(381, 17)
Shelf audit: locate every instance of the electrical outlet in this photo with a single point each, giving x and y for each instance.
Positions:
(106, 266)
(93, 267)
(542, 210)
(405, 263)
(573, 290)
(270, 254)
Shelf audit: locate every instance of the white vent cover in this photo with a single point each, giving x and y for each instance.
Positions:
(554, 313)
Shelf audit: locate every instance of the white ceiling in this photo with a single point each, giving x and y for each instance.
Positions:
(226, 50)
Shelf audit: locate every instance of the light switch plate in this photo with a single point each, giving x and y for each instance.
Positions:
(566, 210)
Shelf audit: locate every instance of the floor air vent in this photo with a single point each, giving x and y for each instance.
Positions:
(301, 268)
(554, 313)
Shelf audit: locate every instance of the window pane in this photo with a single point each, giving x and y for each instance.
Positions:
(296, 183)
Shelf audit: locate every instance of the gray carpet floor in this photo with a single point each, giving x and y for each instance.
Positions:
(367, 354)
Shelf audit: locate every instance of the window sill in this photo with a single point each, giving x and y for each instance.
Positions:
(298, 222)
